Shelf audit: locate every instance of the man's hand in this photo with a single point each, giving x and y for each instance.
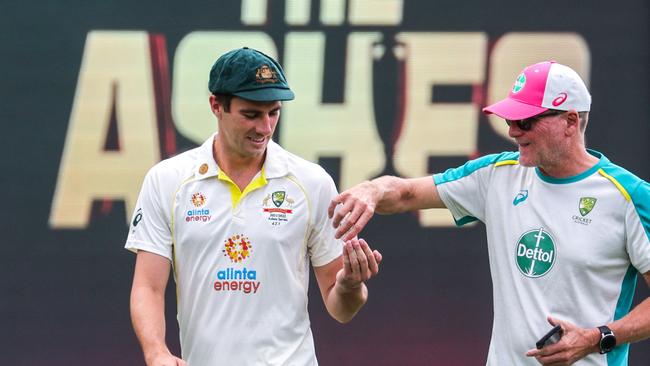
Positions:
(575, 344)
(360, 264)
(357, 207)
(165, 359)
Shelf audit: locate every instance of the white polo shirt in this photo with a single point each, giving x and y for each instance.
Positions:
(570, 248)
(240, 259)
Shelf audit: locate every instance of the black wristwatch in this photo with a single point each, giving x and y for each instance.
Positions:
(607, 339)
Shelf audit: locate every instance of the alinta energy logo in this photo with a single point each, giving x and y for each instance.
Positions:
(535, 253)
(237, 248)
(198, 214)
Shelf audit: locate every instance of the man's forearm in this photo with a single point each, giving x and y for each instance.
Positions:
(393, 194)
(148, 317)
(635, 326)
(344, 303)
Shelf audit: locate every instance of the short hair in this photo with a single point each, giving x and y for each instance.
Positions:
(224, 100)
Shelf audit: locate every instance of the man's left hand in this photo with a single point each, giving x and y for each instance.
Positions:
(360, 263)
(575, 344)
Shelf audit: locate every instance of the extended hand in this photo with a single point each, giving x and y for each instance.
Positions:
(357, 207)
(360, 264)
(575, 344)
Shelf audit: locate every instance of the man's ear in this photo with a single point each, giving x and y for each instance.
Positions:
(573, 123)
(217, 109)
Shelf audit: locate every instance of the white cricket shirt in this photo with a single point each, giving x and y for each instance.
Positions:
(240, 259)
(570, 248)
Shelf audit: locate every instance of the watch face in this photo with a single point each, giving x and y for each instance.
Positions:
(607, 343)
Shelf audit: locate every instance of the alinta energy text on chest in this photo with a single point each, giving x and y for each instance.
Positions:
(231, 279)
(201, 214)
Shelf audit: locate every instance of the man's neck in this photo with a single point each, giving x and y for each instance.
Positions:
(239, 169)
(572, 165)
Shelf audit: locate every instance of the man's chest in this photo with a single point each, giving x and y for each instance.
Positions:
(541, 226)
(209, 215)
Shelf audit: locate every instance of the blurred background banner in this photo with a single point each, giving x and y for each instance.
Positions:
(94, 93)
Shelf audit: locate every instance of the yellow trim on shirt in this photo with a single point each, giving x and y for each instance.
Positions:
(303, 248)
(173, 234)
(616, 183)
(506, 162)
(235, 194)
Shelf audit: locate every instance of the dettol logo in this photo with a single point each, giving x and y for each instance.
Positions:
(535, 253)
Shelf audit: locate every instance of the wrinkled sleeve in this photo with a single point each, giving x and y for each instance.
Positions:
(150, 227)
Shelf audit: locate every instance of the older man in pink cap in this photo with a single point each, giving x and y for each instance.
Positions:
(568, 231)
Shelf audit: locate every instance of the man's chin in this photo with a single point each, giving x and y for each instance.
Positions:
(526, 161)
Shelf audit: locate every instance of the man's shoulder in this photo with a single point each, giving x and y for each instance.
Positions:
(504, 159)
(630, 185)
(173, 170)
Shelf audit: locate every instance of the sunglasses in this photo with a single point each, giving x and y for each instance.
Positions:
(527, 123)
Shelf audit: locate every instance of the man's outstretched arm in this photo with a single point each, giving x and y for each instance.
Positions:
(384, 195)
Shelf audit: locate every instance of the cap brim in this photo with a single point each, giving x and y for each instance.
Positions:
(513, 110)
(266, 94)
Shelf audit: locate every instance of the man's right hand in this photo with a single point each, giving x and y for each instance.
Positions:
(357, 207)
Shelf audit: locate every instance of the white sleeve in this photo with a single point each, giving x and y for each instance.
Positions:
(463, 190)
(150, 225)
(322, 246)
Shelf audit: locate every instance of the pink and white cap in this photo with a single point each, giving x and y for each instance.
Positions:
(540, 87)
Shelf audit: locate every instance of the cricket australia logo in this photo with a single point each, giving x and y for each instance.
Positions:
(585, 205)
(278, 198)
(281, 210)
(535, 253)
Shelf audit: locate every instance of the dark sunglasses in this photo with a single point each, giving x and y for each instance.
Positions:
(527, 124)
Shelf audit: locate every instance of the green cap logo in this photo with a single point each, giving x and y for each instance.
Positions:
(519, 83)
(586, 205)
(535, 253)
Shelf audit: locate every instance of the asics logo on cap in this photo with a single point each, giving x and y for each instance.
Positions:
(560, 99)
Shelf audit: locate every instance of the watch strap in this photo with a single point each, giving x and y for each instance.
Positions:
(606, 336)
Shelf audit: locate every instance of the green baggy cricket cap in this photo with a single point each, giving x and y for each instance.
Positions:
(249, 74)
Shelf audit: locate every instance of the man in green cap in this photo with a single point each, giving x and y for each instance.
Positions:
(239, 219)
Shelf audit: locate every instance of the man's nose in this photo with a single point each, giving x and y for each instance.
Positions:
(265, 126)
(514, 130)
